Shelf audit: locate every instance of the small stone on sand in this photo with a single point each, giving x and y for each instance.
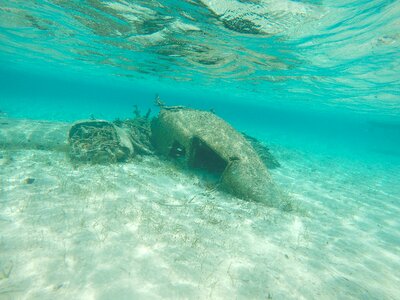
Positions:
(29, 180)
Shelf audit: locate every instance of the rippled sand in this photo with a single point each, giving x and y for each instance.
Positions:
(147, 230)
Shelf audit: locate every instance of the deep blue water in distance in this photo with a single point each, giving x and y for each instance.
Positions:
(288, 65)
(316, 80)
(69, 96)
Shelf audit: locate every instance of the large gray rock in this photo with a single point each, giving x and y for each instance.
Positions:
(206, 141)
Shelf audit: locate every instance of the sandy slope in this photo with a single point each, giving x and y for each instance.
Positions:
(147, 230)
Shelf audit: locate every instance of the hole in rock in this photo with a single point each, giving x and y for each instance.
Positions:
(204, 157)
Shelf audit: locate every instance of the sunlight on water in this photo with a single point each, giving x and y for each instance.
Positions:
(333, 52)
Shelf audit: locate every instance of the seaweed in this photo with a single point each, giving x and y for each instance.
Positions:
(139, 131)
(263, 152)
(136, 111)
(161, 104)
(158, 102)
(96, 142)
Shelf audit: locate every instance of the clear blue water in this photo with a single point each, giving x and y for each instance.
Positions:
(318, 81)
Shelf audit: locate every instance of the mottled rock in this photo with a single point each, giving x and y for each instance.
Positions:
(206, 141)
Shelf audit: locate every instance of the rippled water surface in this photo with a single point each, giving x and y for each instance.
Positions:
(333, 52)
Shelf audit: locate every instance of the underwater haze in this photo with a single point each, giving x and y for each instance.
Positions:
(314, 83)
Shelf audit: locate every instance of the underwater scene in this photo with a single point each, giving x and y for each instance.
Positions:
(199, 149)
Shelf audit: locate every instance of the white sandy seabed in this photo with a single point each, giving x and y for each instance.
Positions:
(146, 230)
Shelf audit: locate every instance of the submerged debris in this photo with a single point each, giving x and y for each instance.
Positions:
(207, 142)
(263, 151)
(139, 131)
(198, 139)
(160, 104)
(98, 141)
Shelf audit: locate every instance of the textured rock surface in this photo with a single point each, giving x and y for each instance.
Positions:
(206, 141)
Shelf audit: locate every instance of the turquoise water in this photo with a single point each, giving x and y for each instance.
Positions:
(316, 81)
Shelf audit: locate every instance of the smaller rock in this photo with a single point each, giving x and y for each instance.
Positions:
(29, 180)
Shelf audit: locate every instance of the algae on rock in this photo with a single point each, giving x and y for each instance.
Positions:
(263, 152)
(206, 141)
